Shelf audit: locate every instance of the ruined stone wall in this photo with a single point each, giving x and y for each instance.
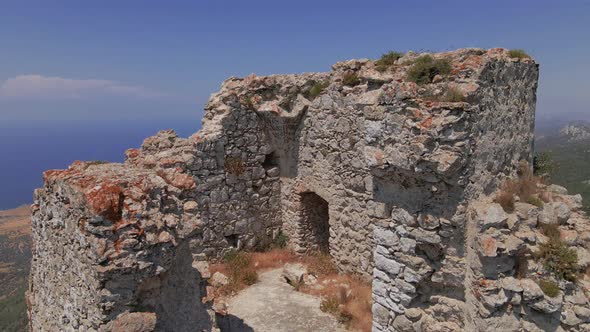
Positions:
(236, 193)
(105, 245)
(421, 275)
(507, 269)
(375, 171)
(112, 239)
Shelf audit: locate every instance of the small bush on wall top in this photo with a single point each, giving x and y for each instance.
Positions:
(387, 60)
(519, 54)
(318, 88)
(351, 79)
(425, 68)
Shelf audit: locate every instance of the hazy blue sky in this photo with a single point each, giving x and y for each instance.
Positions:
(123, 69)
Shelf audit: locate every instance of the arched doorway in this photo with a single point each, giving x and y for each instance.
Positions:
(315, 226)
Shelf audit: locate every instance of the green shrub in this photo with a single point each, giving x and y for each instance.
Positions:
(237, 260)
(387, 60)
(318, 88)
(556, 256)
(549, 287)
(534, 200)
(330, 305)
(454, 95)
(550, 230)
(249, 277)
(350, 79)
(425, 68)
(239, 268)
(247, 102)
(543, 164)
(280, 241)
(519, 54)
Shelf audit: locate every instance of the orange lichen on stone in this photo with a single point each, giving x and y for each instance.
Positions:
(417, 114)
(78, 165)
(489, 246)
(426, 123)
(118, 244)
(170, 162)
(54, 174)
(497, 51)
(132, 153)
(122, 223)
(104, 200)
(472, 62)
(178, 179)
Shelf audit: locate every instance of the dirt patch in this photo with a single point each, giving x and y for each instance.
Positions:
(346, 298)
(15, 222)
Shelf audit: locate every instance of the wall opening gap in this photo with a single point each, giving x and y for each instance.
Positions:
(315, 222)
(271, 160)
(232, 240)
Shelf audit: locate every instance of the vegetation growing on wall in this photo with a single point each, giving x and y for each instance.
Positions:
(387, 60)
(425, 68)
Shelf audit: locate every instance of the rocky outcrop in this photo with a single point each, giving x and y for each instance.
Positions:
(360, 162)
(577, 131)
(517, 277)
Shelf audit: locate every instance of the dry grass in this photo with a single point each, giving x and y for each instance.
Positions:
(387, 60)
(320, 264)
(525, 186)
(549, 287)
(518, 53)
(346, 297)
(351, 79)
(15, 222)
(453, 95)
(234, 165)
(242, 268)
(239, 269)
(557, 257)
(272, 259)
(506, 200)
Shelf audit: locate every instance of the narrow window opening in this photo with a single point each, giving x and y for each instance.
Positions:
(232, 240)
(270, 160)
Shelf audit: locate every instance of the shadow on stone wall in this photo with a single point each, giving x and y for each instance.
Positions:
(283, 134)
(231, 323)
(175, 295)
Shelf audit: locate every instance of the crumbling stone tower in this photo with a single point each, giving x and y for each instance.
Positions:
(372, 168)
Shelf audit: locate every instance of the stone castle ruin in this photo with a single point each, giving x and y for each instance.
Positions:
(378, 171)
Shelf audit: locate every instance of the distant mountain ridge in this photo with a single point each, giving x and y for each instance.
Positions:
(570, 149)
(576, 131)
